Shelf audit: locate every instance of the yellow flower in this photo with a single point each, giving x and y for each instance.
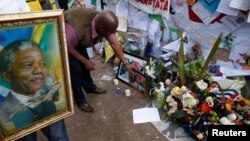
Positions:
(178, 92)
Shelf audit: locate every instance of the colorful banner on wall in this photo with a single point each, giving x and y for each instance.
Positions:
(160, 7)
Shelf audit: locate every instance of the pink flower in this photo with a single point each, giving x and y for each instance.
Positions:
(168, 82)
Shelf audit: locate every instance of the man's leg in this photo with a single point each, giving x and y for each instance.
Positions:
(30, 137)
(76, 81)
(88, 83)
(56, 131)
(63, 4)
(75, 74)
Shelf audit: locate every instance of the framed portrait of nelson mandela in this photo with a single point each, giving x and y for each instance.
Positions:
(123, 74)
(34, 73)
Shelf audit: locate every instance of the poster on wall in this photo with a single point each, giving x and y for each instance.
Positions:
(34, 73)
(160, 7)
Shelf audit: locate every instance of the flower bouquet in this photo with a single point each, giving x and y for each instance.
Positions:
(193, 101)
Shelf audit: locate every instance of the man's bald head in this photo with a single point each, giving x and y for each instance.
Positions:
(106, 22)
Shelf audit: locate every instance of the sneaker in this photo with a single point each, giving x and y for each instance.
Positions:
(98, 90)
(86, 107)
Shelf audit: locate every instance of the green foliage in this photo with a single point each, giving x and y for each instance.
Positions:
(210, 56)
(179, 114)
(196, 69)
(181, 64)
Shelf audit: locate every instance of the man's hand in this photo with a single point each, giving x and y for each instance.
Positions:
(130, 67)
(116, 60)
(90, 65)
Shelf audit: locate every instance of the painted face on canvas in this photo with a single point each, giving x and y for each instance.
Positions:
(28, 71)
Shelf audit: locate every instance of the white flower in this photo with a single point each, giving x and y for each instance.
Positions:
(201, 85)
(232, 117)
(169, 98)
(200, 136)
(188, 100)
(152, 62)
(161, 89)
(150, 71)
(172, 104)
(172, 110)
(226, 121)
(210, 101)
(214, 90)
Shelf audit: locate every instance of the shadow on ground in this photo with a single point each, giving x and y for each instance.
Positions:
(112, 119)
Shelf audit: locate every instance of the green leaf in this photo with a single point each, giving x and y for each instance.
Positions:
(210, 56)
(181, 64)
(179, 114)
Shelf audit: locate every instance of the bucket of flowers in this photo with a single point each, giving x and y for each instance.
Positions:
(193, 100)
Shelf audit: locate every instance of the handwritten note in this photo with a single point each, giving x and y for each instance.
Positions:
(226, 9)
(234, 22)
(138, 19)
(153, 28)
(204, 14)
(233, 72)
(144, 115)
(240, 44)
(240, 4)
(122, 14)
(175, 45)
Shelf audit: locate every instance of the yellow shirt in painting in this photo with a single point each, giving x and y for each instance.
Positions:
(35, 5)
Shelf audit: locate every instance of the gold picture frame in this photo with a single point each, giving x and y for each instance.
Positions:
(34, 91)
